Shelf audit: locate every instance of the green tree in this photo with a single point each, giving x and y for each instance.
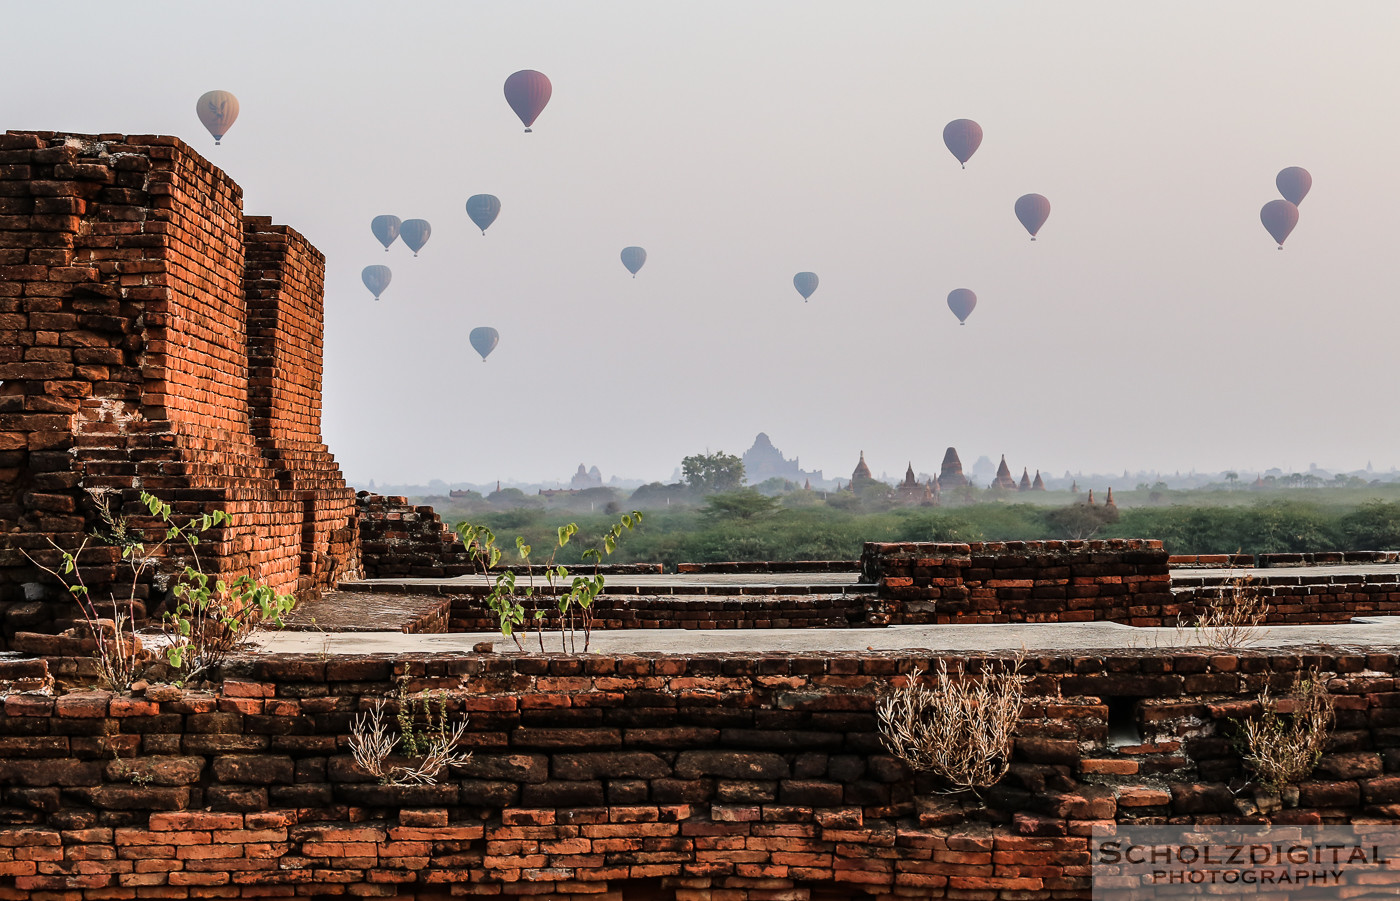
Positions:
(1078, 521)
(713, 473)
(1374, 527)
(747, 504)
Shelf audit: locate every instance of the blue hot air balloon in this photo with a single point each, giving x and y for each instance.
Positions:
(962, 137)
(962, 301)
(633, 258)
(386, 229)
(483, 209)
(1279, 218)
(415, 234)
(1032, 210)
(1294, 183)
(484, 340)
(376, 279)
(805, 283)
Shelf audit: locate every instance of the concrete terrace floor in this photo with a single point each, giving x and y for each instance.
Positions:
(383, 603)
(1370, 633)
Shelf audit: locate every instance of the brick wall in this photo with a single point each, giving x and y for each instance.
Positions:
(151, 338)
(399, 540)
(1119, 580)
(612, 611)
(696, 777)
(1021, 581)
(1297, 600)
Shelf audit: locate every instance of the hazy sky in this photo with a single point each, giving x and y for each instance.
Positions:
(1153, 325)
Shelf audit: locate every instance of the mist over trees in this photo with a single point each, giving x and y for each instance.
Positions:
(711, 516)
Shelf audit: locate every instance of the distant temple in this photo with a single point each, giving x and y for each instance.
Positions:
(861, 471)
(586, 478)
(763, 461)
(911, 492)
(951, 475)
(1003, 479)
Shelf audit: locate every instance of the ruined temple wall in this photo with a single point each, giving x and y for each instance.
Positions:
(125, 301)
(284, 282)
(745, 777)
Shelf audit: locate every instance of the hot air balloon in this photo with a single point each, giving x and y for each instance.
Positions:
(527, 92)
(1294, 184)
(805, 283)
(386, 229)
(962, 302)
(1032, 210)
(1279, 217)
(963, 137)
(415, 234)
(218, 110)
(376, 279)
(633, 258)
(484, 340)
(483, 209)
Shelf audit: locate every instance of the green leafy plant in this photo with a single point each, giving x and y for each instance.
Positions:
(118, 650)
(532, 607)
(210, 617)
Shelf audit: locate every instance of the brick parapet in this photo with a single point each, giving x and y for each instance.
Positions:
(737, 774)
(1123, 580)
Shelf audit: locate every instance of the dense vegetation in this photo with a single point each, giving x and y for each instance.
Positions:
(749, 525)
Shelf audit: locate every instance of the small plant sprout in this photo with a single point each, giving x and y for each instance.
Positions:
(565, 599)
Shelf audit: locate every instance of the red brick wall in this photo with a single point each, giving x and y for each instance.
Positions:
(751, 776)
(126, 291)
(1120, 580)
(1021, 581)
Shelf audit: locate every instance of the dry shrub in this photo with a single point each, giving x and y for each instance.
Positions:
(958, 729)
(433, 749)
(1234, 617)
(1283, 745)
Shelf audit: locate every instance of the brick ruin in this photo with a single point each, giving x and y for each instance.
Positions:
(153, 337)
(696, 777)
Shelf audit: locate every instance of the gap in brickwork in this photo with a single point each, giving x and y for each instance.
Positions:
(1123, 729)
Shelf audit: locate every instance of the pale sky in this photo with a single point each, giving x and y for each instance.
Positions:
(1153, 326)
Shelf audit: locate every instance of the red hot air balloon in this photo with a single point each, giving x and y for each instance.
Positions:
(1294, 183)
(962, 301)
(527, 92)
(1279, 217)
(963, 137)
(217, 110)
(1032, 210)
